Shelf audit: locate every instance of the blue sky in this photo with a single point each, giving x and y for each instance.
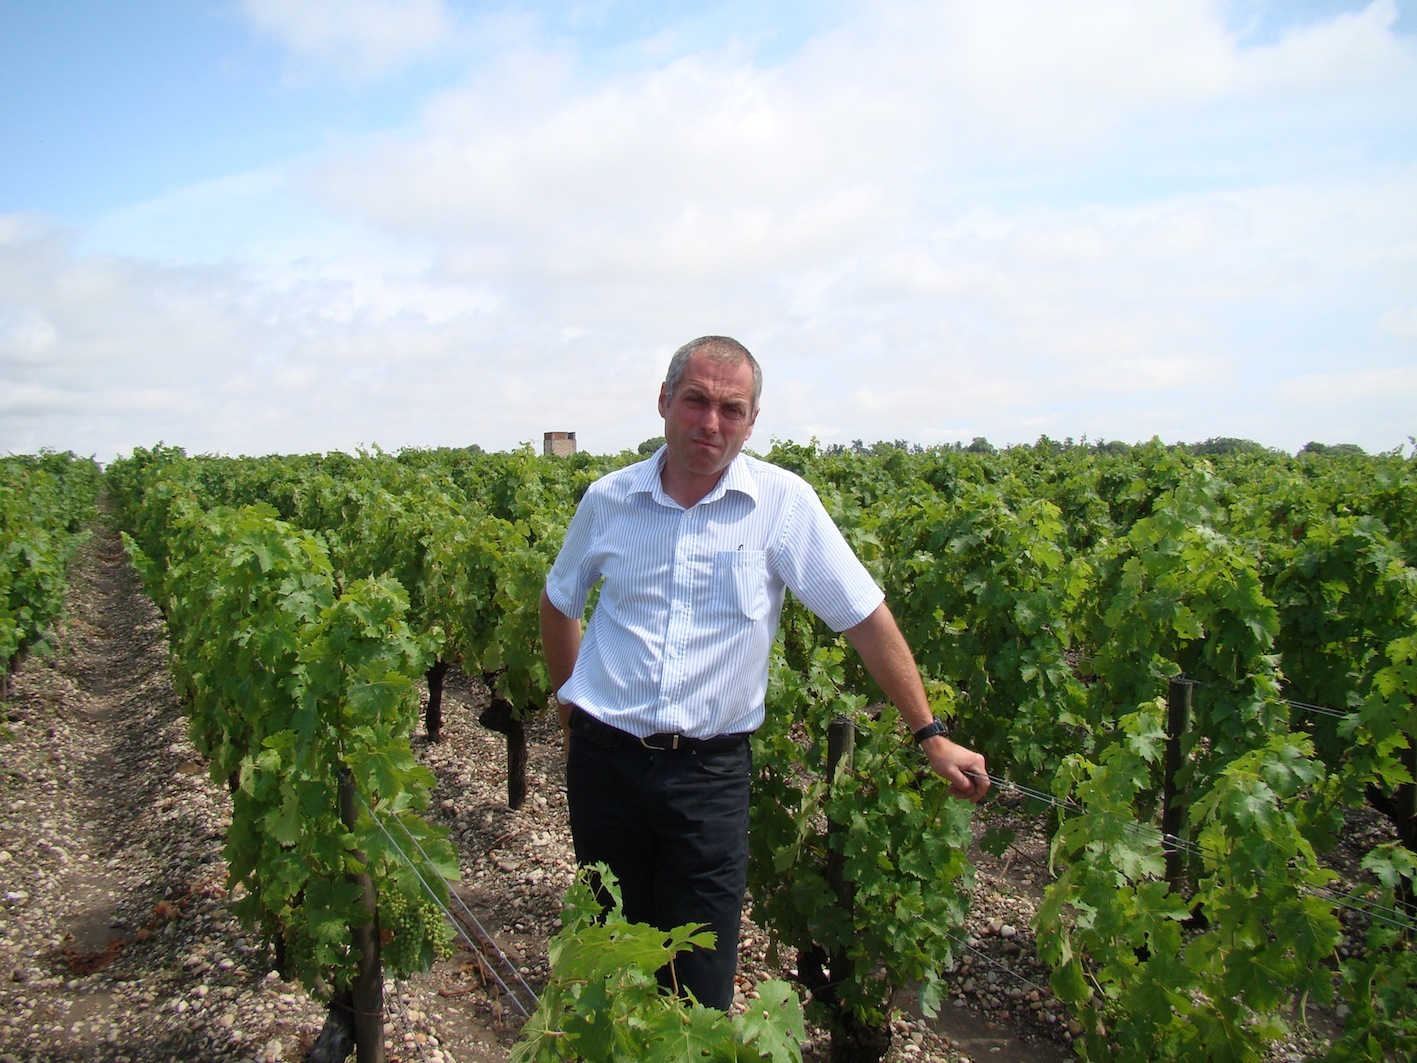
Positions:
(262, 226)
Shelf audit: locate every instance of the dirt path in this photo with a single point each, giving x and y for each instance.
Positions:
(118, 941)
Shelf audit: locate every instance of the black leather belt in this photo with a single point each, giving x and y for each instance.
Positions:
(603, 734)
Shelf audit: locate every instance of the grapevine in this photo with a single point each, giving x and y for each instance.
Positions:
(45, 502)
(604, 1003)
(1050, 592)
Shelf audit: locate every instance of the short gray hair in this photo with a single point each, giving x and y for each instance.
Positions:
(721, 349)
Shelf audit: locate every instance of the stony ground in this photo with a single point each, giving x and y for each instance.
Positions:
(118, 942)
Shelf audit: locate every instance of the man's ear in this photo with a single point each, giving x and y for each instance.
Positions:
(751, 421)
(664, 400)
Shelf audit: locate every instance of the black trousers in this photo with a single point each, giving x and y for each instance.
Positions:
(673, 827)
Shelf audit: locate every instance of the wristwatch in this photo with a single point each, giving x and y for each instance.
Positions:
(930, 730)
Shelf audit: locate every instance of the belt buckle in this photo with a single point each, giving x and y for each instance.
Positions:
(672, 747)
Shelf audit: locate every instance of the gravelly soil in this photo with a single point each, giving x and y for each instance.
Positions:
(118, 942)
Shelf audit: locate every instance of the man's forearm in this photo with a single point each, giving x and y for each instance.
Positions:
(887, 657)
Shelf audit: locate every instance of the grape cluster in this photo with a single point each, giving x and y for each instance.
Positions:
(300, 957)
(414, 935)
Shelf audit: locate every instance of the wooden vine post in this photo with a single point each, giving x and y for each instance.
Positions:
(852, 1041)
(1178, 722)
(433, 714)
(841, 755)
(502, 717)
(368, 989)
(1405, 820)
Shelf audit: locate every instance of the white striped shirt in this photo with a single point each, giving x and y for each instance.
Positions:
(690, 599)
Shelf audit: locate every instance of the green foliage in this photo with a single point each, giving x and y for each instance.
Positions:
(1049, 592)
(293, 683)
(1333, 449)
(46, 500)
(1349, 609)
(1179, 597)
(604, 1003)
(1225, 446)
(1113, 930)
(901, 842)
(1380, 985)
(985, 593)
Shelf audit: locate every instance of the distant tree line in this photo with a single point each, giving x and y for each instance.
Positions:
(1216, 446)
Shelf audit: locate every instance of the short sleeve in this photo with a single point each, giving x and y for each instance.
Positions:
(574, 573)
(820, 568)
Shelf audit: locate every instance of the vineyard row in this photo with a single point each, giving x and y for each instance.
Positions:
(1051, 593)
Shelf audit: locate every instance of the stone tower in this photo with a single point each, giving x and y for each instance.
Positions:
(558, 444)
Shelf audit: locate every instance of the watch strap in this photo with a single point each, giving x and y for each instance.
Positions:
(930, 730)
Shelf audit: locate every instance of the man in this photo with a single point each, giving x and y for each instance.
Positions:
(693, 549)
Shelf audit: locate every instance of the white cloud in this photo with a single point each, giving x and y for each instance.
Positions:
(220, 359)
(1054, 73)
(1351, 49)
(358, 38)
(934, 222)
(1377, 390)
(710, 164)
(1401, 324)
(693, 168)
(26, 336)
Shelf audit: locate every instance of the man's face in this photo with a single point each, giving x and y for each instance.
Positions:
(709, 417)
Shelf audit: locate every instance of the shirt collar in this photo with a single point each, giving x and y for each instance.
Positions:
(737, 477)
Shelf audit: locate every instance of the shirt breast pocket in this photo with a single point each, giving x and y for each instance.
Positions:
(743, 583)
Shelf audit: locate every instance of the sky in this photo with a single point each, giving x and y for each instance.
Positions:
(266, 226)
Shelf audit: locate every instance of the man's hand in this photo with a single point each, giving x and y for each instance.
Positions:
(962, 768)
